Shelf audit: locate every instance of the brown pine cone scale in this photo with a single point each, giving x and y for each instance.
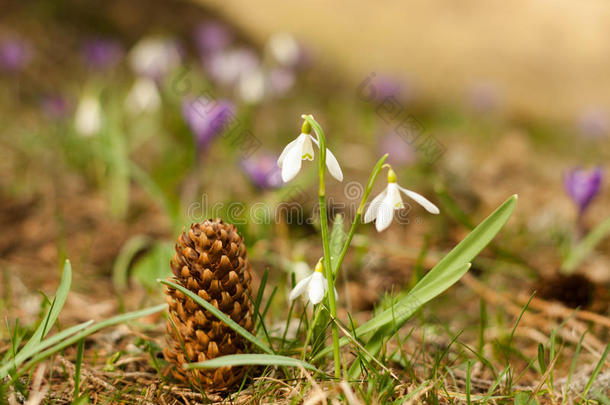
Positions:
(211, 261)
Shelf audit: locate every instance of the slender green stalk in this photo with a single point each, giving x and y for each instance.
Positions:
(326, 241)
(360, 211)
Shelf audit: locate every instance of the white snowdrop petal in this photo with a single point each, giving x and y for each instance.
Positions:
(316, 288)
(333, 165)
(292, 163)
(299, 288)
(394, 198)
(307, 152)
(421, 200)
(371, 211)
(288, 148)
(331, 162)
(385, 214)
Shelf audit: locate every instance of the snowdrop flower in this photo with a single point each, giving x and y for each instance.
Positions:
(88, 117)
(302, 149)
(251, 86)
(382, 207)
(155, 57)
(284, 49)
(228, 67)
(143, 97)
(315, 284)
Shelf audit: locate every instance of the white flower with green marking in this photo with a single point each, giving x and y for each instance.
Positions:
(300, 149)
(383, 206)
(315, 284)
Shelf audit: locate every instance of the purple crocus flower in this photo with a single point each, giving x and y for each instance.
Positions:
(583, 186)
(207, 119)
(212, 37)
(102, 53)
(401, 152)
(55, 106)
(15, 54)
(263, 171)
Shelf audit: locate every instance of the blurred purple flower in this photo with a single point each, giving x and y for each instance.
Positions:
(381, 87)
(387, 87)
(102, 53)
(583, 186)
(401, 153)
(263, 171)
(594, 123)
(281, 80)
(207, 119)
(55, 106)
(483, 97)
(212, 37)
(15, 54)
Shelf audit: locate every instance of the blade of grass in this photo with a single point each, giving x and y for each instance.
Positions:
(53, 311)
(77, 367)
(90, 330)
(596, 371)
(259, 298)
(21, 356)
(252, 360)
(588, 243)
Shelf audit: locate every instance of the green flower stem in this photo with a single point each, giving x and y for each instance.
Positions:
(325, 242)
(314, 321)
(360, 211)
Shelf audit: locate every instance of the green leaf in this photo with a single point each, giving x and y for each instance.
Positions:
(525, 398)
(220, 315)
(251, 360)
(337, 239)
(586, 246)
(153, 265)
(541, 361)
(52, 313)
(120, 269)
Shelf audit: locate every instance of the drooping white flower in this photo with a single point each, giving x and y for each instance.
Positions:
(315, 284)
(251, 86)
(383, 206)
(154, 57)
(302, 149)
(284, 49)
(143, 97)
(88, 116)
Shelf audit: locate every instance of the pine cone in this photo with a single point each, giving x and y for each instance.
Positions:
(210, 261)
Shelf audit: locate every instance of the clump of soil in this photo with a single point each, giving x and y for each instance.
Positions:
(574, 290)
